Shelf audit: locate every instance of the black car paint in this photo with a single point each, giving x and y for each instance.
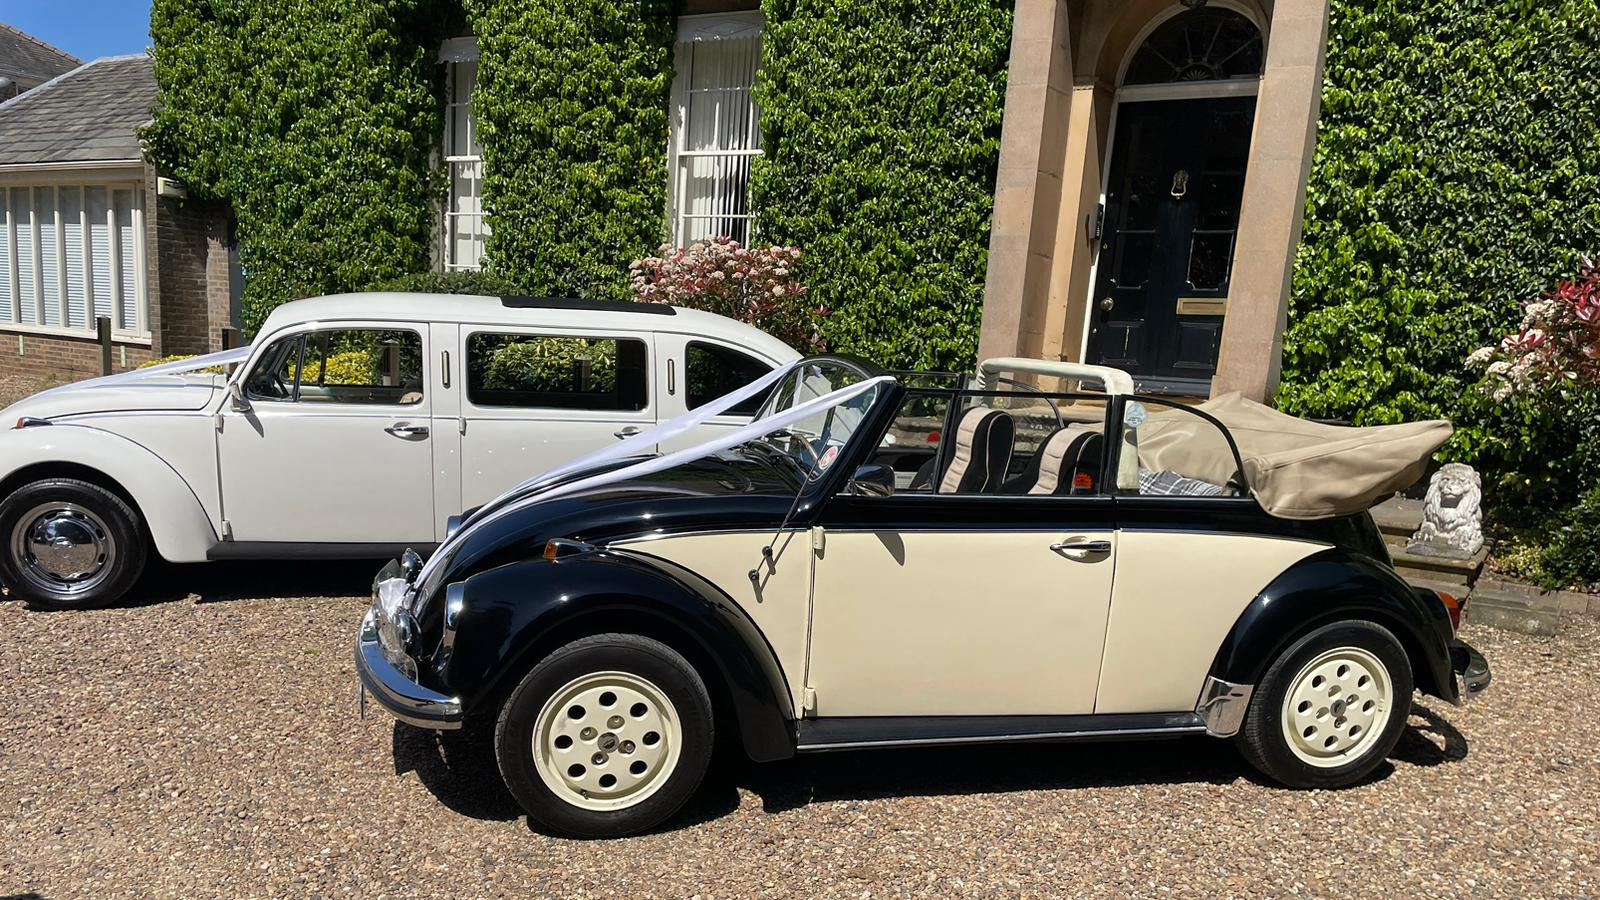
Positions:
(1330, 586)
(516, 599)
(516, 613)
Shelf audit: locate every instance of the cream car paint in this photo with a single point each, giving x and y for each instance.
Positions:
(928, 623)
(1176, 596)
(778, 604)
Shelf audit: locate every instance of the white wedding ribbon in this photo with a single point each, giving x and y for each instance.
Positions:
(501, 507)
(193, 364)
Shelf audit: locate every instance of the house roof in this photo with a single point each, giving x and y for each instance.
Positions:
(25, 57)
(86, 115)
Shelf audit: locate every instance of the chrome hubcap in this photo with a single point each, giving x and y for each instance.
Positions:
(1337, 706)
(62, 548)
(607, 741)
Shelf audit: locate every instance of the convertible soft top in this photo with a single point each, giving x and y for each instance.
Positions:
(1296, 469)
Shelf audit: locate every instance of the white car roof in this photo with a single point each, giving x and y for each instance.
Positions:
(472, 309)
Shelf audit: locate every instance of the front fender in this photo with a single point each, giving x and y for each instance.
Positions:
(516, 613)
(174, 515)
(1327, 587)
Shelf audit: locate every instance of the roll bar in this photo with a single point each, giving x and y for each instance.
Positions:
(1112, 381)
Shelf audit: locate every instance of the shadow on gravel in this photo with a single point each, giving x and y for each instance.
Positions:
(215, 582)
(1419, 749)
(457, 767)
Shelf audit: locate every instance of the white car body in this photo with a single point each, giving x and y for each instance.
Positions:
(281, 478)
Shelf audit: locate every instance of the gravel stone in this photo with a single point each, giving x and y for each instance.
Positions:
(203, 742)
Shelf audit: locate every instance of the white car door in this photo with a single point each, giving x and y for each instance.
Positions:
(539, 397)
(335, 447)
(692, 371)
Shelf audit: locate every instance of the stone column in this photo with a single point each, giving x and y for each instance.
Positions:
(1028, 185)
(1285, 135)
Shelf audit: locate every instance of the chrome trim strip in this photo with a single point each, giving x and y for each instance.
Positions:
(455, 602)
(1173, 730)
(663, 535)
(398, 695)
(1222, 706)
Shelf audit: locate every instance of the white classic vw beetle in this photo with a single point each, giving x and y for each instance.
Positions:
(355, 426)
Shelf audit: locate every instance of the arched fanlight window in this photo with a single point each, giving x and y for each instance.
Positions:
(1206, 44)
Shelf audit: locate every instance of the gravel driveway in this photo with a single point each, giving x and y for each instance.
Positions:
(207, 745)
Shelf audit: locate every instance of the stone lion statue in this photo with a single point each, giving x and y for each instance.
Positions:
(1452, 519)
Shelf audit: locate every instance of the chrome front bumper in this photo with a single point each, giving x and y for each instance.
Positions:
(1471, 671)
(395, 691)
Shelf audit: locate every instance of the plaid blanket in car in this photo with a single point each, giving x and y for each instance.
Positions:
(1171, 483)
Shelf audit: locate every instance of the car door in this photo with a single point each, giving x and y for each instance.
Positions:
(692, 371)
(963, 594)
(334, 447)
(540, 397)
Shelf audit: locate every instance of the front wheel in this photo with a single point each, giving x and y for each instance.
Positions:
(607, 736)
(70, 544)
(1330, 708)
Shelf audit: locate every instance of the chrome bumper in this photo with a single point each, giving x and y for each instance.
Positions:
(397, 693)
(1471, 671)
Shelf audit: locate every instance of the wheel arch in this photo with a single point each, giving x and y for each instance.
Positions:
(170, 513)
(507, 626)
(1332, 586)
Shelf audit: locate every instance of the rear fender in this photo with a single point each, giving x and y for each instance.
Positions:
(172, 513)
(1330, 586)
(515, 614)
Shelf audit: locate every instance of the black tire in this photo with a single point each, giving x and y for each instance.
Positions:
(1262, 739)
(635, 656)
(122, 532)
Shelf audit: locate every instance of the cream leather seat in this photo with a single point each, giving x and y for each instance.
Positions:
(1065, 458)
(982, 452)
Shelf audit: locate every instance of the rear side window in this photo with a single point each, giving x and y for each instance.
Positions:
(712, 371)
(543, 371)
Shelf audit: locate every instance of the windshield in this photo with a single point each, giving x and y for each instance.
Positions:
(808, 446)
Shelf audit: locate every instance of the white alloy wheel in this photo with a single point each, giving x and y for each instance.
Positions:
(1336, 707)
(607, 741)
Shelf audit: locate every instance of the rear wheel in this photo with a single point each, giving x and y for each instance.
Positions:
(69, 544)
(607, 736)
(1330, 708)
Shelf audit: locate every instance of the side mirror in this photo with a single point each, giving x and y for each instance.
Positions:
(873, 480)
(237, 401)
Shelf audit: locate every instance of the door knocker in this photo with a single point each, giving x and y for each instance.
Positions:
(1180, 184)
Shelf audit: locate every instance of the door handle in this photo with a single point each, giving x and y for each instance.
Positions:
(626, 432)
(1082, 547)
(407, 430)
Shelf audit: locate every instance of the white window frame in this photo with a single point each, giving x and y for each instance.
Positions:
(455, 52)
(691, 31)
(56, 224)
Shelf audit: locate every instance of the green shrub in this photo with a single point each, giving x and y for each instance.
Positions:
(316, 123)
(1457, 172)
(880, 122)
(486, 284)
(571, 106)
(349, 367)
(550, 365)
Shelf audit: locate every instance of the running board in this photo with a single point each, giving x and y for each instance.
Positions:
(852, 732)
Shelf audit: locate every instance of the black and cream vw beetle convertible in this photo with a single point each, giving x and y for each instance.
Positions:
(885, 560)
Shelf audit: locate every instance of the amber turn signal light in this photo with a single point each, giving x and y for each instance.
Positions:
(1454, 607)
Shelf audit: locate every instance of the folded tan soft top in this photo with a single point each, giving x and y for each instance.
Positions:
(1296, 469)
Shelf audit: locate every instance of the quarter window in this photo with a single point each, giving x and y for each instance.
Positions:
(348, 366)
(712, 371)
(557, 372)
(1172, 451)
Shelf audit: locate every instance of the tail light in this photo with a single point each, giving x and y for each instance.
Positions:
(1456, 609)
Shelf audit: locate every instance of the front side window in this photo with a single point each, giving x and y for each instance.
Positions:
(365, 366)
(716, 126)
(465, 228)
(554, 372)
(712, 371)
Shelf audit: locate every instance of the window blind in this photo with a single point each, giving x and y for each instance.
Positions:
(52, 273)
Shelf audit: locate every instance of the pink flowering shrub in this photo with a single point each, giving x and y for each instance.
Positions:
(754, 285)
(1557, 345)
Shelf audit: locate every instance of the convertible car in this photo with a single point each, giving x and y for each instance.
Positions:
(883, 560)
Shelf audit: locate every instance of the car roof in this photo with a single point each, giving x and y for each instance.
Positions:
(474, 309)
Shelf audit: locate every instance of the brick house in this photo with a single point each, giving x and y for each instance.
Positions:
(89, 230)
(27, 62)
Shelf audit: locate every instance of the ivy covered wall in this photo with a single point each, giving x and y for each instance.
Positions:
(571, 106)
(1457, 172)
(880, 121)
(316, 124)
